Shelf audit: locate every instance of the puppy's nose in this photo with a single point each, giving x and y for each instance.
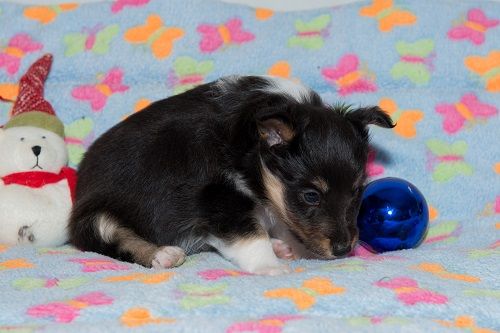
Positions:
(36, 150)
(341, 250)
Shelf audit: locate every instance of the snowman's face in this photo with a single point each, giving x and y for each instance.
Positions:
(27, 148)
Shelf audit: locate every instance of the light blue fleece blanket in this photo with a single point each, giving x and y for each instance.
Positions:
(434, 65)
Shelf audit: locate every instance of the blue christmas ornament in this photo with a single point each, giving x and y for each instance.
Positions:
(393, 215)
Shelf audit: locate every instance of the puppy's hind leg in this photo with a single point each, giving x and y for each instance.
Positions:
(142, 252)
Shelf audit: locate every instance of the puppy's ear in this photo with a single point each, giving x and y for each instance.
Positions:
(370, 116)
(275, 131)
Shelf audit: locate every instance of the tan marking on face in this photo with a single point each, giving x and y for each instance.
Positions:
(274, 190)
(321, 184)
(325, 245)
(275, 193)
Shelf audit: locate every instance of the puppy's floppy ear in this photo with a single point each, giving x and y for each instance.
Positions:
(274, 126)
(370, 116)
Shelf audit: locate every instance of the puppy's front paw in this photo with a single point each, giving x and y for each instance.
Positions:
(168, 257)
(25, 235)
(282, 249)
(273, 270)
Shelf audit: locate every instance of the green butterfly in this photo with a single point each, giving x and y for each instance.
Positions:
(483, 292)
(96, 39)
(415, 61)
(195, 296)
(188, 73)
(354, 265)
(444, 232)
(79, 136)
(369, 321)
(310, 35)
(36, 283)
(64, 250)
(19, 329)
(447, 160)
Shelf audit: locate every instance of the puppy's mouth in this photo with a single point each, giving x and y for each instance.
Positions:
(316, 251)
(312, 250)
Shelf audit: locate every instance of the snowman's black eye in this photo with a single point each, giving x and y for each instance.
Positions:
(44, 137)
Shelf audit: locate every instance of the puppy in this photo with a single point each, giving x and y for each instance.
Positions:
(254, 167)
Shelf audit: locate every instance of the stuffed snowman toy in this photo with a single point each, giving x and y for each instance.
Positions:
(36, 187)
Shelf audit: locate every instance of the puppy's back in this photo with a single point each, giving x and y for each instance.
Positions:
(160, 155)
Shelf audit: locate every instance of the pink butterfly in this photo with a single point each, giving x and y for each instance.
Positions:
(215, 274)
(373, 169)
(98, 94)
(269, 324)
(19, 45)
(118, 5)
(66, 311)
(467, 110)
(408, 291)
(473, 28)
(92, 265)
(213, 37)
(347, 76)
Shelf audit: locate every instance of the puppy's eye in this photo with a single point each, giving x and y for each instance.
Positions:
(311, 197)
(44, 137)
(22, 139)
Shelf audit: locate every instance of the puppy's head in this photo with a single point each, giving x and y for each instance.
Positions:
(313, 161)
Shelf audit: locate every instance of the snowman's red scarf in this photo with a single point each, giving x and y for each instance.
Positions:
(37, 179)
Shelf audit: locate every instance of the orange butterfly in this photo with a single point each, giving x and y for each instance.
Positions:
(136, 317)
(305, 296)
(8, 91)
(15, 263)
(145, 278)
(47, 14)
(465, 322)
(440, 271)
(281, 69)
(263, 14)
(153, 33)
(405, 119)
(388, 15)
(488, 68)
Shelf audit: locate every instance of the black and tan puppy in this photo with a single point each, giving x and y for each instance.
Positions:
(254, 167)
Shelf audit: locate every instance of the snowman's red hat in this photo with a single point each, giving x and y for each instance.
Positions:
(30, 107)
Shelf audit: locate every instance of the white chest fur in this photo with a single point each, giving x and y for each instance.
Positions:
(44, 211)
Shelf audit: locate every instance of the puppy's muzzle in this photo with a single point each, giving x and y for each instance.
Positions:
(341, 250)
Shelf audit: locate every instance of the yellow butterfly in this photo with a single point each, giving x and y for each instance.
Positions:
(47, 14)
(305, 296)
(488, 68)
(156, 35)
(141, 277)
(388, 15)
(405, 119)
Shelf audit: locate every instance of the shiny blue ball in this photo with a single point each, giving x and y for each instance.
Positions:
(393, 215)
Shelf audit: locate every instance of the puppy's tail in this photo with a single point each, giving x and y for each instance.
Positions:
(101, 232)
